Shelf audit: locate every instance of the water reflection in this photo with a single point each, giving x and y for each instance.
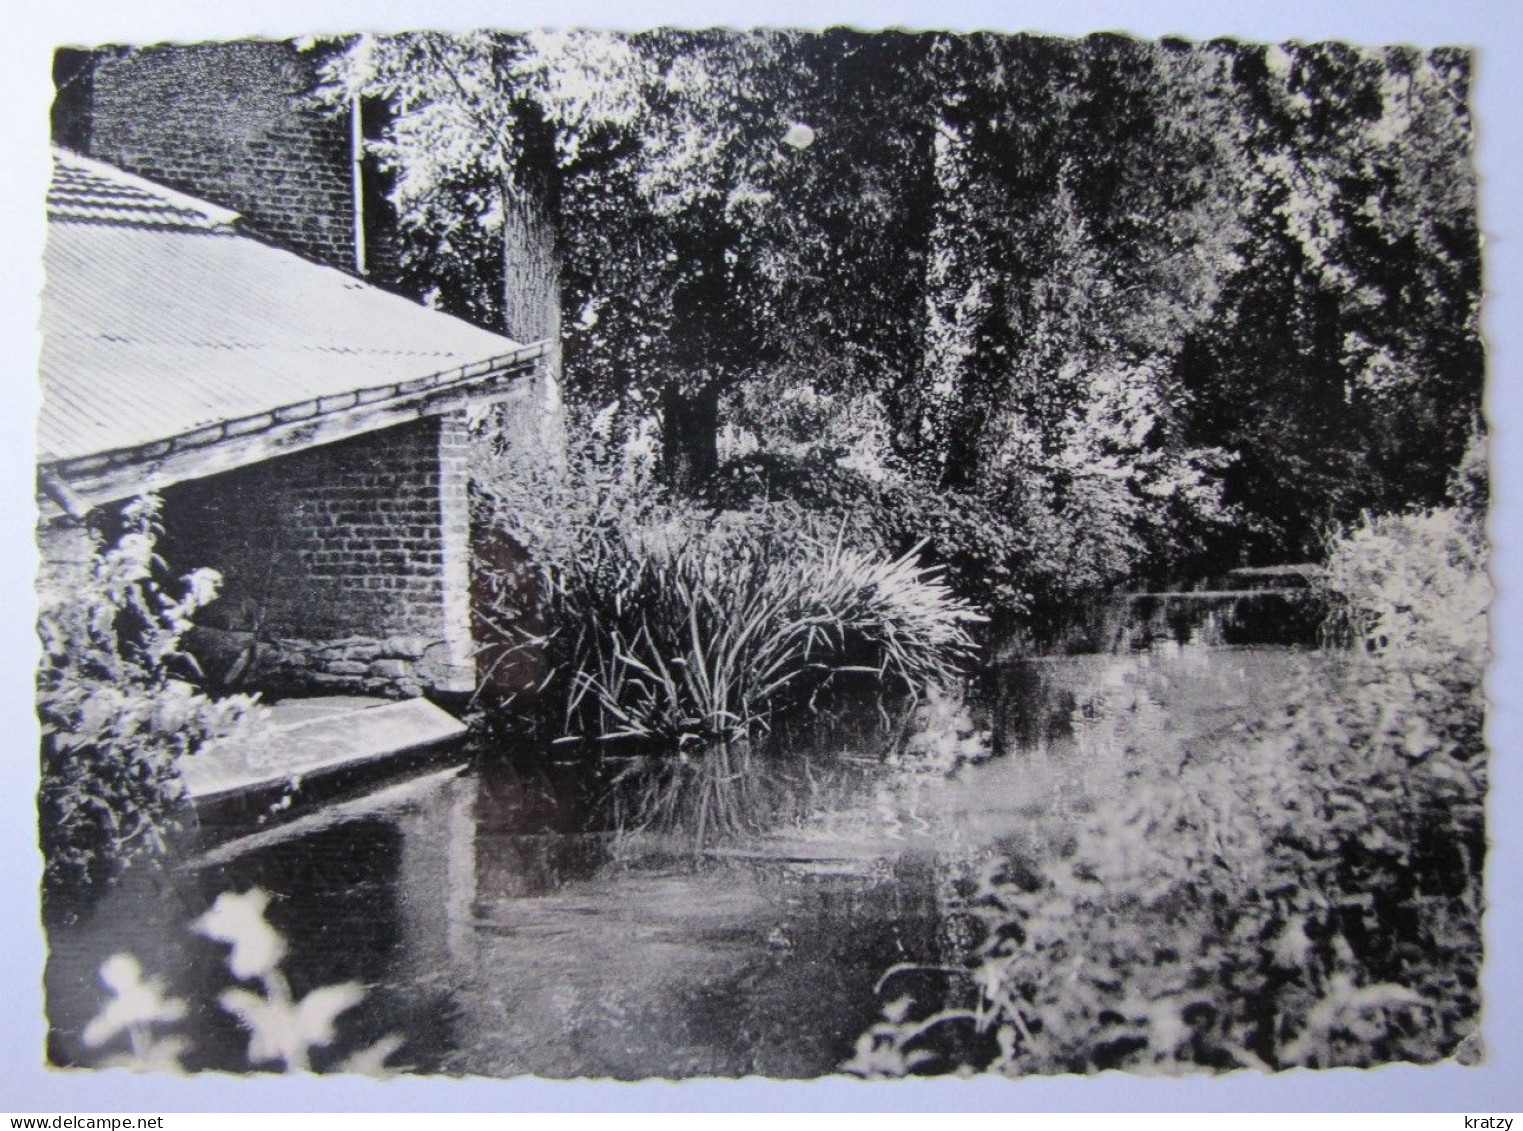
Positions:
(722, 915)
(721, 794)
(1207, 618)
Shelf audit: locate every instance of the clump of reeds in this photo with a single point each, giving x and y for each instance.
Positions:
(696, 633)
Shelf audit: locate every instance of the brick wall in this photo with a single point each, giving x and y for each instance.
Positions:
(224, 122)
(345, 566)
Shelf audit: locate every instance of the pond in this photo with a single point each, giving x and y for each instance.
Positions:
(725, 916)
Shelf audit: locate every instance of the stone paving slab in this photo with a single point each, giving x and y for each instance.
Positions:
(305, 738)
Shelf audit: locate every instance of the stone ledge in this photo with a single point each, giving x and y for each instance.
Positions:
(303, 740)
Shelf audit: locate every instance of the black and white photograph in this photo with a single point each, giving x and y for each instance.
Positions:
(760, 552)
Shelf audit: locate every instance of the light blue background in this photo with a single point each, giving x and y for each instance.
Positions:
(1491, 26)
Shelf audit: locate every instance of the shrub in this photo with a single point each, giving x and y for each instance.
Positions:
(979, 549)
(116, 720)
(696, 633)
(1307, 895)
(1412, 583)
(1090, 489)
(1015, 544)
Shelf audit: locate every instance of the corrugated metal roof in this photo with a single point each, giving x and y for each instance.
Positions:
(159, 319)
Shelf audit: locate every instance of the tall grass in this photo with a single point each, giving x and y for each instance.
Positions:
(690, 633)
(625, 616)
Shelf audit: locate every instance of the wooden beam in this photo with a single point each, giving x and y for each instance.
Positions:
(64, 500)
(102, 484)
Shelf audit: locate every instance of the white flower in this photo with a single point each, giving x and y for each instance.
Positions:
(162, 1055)
(239, 920)
(281, 1031)
(371, 1061)
(134, 1001)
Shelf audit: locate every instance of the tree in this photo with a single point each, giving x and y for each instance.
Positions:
(480, 130)
(671, 192)
(1124, 298)
(1084, 205)
(1343, 363)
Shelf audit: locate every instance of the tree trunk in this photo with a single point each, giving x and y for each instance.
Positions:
(701, 343)
(689, 436)
(531, 297)
(531, 300)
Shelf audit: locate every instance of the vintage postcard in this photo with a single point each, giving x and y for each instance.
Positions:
(672, 554)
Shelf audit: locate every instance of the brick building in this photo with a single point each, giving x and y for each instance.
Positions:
(237, 124)
(304, 428)
(233, 123)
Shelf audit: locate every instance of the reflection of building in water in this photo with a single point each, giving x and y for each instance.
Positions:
(401, 854)
(379, 889)
(437, 873)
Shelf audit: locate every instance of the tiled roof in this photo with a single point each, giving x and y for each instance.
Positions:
(159, 319)
(91, 192)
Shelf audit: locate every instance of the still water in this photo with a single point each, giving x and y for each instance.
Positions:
(729, 916)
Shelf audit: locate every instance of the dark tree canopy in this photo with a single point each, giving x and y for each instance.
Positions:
(1133, 303)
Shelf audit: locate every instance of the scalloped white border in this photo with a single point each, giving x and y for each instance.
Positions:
(1494, 27)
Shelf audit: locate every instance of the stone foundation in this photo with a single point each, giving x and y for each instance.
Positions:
(394, 667)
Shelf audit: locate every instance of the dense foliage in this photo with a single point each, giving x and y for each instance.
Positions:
(1305, 893)
(1094, 308)
(117, 715)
